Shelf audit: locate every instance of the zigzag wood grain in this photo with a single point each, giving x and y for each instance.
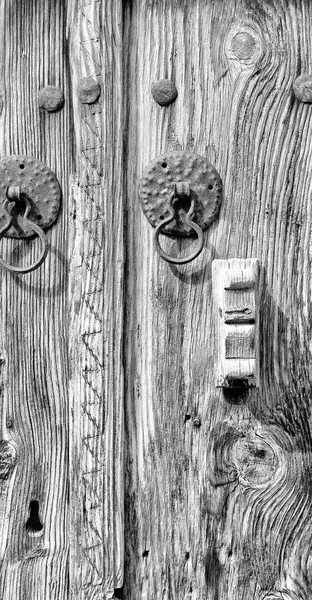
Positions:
(96, 567)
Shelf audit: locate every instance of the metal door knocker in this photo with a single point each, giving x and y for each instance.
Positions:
(180, 194)
(29, 203)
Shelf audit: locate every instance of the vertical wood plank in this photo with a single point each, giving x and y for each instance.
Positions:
(96, 291)
(33, 316)
(218, 498)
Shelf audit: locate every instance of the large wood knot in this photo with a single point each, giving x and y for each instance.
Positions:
(8, 459)
(255, 459)
(244, 45)
(241, 453)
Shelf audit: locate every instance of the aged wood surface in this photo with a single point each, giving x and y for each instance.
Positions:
(61, 448)
(33, 317)
(218, 495)
(96, 380)
(217, 491)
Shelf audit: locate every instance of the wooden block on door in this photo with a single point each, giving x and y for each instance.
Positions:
(235, 291)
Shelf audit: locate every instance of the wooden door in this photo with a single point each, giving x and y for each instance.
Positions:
(124, 471)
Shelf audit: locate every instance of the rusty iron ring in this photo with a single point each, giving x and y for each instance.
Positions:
(13, 195)
(187, 221)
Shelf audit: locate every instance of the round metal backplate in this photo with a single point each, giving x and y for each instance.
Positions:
(158, 183)
(41, 187)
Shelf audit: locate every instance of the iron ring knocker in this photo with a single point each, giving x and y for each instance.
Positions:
(180, 175)
(13, 194)
(178, 193)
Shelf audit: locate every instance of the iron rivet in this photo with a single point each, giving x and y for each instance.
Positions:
(197, 422)
(88, 90)
(164, 92)
(9, 422)
(244, 45)
(303, 88)
(51, 98)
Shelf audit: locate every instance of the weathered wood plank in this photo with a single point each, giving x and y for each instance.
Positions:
(33, 316)
(221, 510)
(96, 291)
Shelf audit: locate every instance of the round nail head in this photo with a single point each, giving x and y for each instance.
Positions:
(51, 98)
(88, 90)
(303, 88)
(164, 92)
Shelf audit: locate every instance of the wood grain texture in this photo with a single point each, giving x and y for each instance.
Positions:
(33, 316)
(96, 318)
(222, 510)
(61, 344)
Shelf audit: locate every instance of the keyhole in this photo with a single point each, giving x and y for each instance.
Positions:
(34, 525)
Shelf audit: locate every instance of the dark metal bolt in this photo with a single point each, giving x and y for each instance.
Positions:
(164, 92)
(88, 90)
(51, 98)
(197, 422)
(303, 88)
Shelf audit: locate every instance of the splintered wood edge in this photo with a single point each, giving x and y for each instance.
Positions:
(241, 276)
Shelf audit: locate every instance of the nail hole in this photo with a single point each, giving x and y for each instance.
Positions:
(187, 417)
(164, 165)
(34, 525)
(22, 166)
(210, 186)
(187, 555)
(161, 217)
(145, 553)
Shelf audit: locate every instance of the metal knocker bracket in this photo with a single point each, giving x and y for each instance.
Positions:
(29, 203)
(180, 194)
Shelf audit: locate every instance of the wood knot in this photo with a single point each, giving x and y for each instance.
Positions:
(8, 459)
(244, 45)
(255, 460)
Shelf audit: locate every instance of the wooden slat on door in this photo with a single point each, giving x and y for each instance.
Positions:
(96, 318)
(34, 316)
(218, 499)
